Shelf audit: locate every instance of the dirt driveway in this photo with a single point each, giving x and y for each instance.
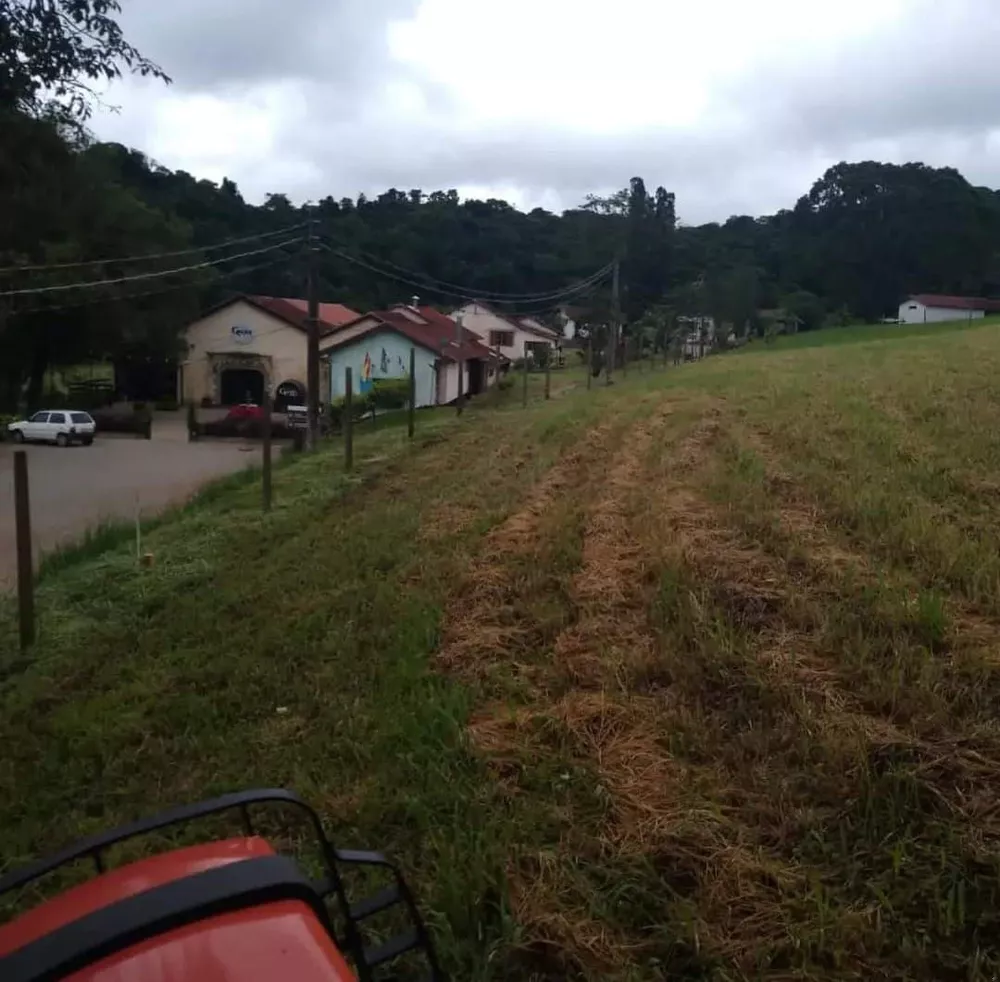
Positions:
(74, 489)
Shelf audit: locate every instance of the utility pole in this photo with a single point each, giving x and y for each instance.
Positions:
(312, 328)
(615, 319)
(458, 357)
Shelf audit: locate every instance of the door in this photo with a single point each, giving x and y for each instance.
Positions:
(36, 426)
(56, 424)
(241, 385)
(440, 375)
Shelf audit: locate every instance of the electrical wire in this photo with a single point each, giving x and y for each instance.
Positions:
(9, 270)
(466, 293)
(497, 296)
(580, 287)
(190, 285)
(90, 284)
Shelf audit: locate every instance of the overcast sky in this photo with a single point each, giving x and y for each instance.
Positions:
(737, 107)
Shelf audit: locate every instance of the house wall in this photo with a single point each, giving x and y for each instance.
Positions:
(481, 321)
(389, 354)
(266, 342)
(911, 312)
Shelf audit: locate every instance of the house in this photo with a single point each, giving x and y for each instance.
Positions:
(931, 308)
(243, 346)
(377, 345)
(696, 335)
(515, 335)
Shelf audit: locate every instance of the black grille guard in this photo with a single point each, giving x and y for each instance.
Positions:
(366, 957)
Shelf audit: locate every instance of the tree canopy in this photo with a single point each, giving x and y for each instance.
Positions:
(862, 238)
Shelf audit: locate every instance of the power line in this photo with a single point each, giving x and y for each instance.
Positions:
(153, 255)
(242, 270)
(497, 296)
(89, 284)
(579, 287)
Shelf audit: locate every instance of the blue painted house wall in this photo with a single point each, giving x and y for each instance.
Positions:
(388, 355)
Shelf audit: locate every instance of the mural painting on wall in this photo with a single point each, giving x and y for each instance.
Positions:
(384, 367)
(366, 374)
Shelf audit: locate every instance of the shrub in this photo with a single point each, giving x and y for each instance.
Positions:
(390, 393)
(505, 383)
(167, 405)
(6, 418)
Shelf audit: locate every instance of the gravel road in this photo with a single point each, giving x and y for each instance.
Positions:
(75, 488)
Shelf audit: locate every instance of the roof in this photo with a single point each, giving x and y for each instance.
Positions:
(424, 326)
(518, 321)
(331, 313)
(292, 312)
(955, 303)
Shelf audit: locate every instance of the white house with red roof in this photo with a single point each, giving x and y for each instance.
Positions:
(377, 345)
(932, 308)
(515, 335)
(236, 350)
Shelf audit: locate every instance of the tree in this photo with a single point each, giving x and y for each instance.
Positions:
(60, 46)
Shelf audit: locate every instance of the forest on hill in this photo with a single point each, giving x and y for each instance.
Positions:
(74, 211)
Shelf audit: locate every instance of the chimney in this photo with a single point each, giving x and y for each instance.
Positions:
(414, 301)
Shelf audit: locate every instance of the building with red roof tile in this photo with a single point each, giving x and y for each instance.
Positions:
(931, 308)
(377, 345)
(249, 344)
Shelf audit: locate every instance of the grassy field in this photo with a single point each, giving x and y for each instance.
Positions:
(853, 334)
(691, 677)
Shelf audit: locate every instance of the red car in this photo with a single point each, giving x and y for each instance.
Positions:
(218, 912)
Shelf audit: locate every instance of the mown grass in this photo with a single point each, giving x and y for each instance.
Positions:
(692, 677)
(862, 333)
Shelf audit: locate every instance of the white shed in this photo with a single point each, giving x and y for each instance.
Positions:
(932, 308)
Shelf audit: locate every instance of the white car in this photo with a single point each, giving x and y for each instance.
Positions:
(59, 426)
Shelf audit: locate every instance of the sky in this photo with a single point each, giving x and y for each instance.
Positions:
(736, 107)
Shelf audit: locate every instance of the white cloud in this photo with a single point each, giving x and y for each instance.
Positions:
(736, 107)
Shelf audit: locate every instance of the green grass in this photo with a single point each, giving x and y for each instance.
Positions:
(693, 676)
(861, 333)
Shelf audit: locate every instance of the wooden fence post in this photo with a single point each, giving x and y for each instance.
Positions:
(548, 375)
(411, 415)
(348, 419)
(265, 473)
(590, 358)
(25, 567)
(524, 376)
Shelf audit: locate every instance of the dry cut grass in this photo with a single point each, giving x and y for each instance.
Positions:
(764, 740)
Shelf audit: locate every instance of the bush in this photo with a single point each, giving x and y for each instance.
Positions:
(390, 393)
(505, 383)
(167, 405)
(6, 418)
(361, 406)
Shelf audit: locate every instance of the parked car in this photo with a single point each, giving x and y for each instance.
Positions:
(59, 426)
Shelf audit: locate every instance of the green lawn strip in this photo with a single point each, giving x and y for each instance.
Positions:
(866, 333)
(288, 649)
(906, 839)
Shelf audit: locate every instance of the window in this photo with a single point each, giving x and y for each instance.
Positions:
(57, 417)
(912, 306)
(39, 418)
(80, 418)
(503, 338)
